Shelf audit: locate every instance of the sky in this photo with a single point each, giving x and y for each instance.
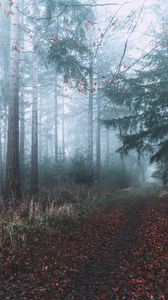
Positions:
(140, 38)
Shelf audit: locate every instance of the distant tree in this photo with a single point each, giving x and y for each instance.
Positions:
(98, 133)
(72, 57)
(34, 144)
(22, 101)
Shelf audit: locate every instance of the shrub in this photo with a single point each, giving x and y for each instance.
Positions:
(48, 172)
(161, 173)
(79, 170)
(29, 233)
(119, 175)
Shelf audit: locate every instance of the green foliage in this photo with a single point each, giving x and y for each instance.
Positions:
(27, 234)
(66, 48)
(145, 126)
(25, 226)
(62, 222)
(79, 170)
(66, 55)
(121, 173)
(48, 172)
(161, 172)
(132, 194)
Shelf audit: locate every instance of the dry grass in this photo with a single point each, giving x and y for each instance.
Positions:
(41, 213)
(17, 224)
(163, 194)
(35, 217)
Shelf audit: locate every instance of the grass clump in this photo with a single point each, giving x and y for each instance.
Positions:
(31, 224)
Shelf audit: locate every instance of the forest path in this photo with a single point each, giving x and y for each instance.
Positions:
(116, 252)
(104, 272)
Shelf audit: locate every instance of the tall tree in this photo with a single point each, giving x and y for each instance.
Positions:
(1, 162)
(98, 134)
(22, 136)
(12, 186)
(22, 101)
(34, 144)
(5, 36)
(145, 126)
(56, 117)
(107, 145)
(63, 125)
(90, 121)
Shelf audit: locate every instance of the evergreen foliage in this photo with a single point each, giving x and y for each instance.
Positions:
(68, 49)
(66, 55)
(79, 171)
(144, 92)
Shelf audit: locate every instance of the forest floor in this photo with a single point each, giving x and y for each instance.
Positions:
(117, 251)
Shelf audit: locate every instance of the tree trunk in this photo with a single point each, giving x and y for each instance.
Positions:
(98, 138)
(5, 36)
(1, 163)
(63, 128)
(56, 119)
(107, 145)
(40, 102)
(12, 184)
(56, 110)
(34, 145)
(22, 106)
(22, 137)
(5, 136)
(90, 122)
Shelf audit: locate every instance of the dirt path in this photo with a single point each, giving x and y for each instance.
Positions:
(118, 252)
(101, 277)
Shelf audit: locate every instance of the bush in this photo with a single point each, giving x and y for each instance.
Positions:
(161, 173)
(79, 169)
(29, 233)
(119, 174)
(48, 172)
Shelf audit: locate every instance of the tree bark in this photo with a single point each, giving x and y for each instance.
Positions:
(56, 109)
(40, 103)
(107, 145)
(63, 128)
(1, 162)
(12, 183)
(22, 106)
(90, 122)
(22, 137)
(56, 119)
(34, 145)
(98, 137)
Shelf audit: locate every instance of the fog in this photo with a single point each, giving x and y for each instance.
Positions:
(83, 94)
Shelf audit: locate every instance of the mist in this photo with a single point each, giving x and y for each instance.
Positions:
(83, 125)
(67, 62)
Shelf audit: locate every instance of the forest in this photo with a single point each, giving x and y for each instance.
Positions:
(83, 149)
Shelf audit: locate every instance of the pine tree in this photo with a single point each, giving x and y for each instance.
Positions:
(145, 94)
(34, 145)
(12, 187)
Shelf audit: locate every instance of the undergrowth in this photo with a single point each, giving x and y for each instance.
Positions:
(34, 222)
(127, 194)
